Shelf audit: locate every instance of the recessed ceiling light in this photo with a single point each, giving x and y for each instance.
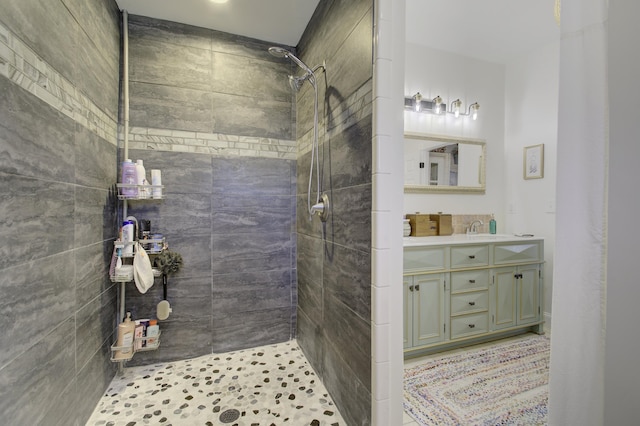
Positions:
(218, 1)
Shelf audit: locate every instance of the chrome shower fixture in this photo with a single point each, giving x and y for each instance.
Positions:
(295, 82)
(321, 207)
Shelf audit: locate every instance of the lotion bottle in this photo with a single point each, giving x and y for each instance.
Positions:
(492, 225)
(125, 338)
(141, 180)
(129, 177)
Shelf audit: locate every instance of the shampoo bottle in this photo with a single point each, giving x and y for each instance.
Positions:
(141, 180)
(125, 338)
(128, 237)
(492, 225)
(129, 177)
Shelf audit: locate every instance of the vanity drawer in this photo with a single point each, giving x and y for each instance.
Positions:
(424, 259)
(469, 280)
(508, 253)
(469, 256)
(469, 325)
(467, 303)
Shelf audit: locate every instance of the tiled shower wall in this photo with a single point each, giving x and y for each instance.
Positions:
(334, 260)
(214, 112)
(58, 115)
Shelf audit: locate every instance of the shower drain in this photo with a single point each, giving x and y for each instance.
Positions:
(229, 416)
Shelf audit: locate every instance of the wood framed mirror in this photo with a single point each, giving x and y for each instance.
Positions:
(443, 164)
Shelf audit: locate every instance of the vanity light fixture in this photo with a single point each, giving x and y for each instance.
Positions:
(416, 103)
(473, 110)
(455, 107)
(437, 105)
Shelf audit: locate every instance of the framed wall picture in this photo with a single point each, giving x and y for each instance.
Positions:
(534, 161)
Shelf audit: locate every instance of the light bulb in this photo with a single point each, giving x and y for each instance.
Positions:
(437, 104)
(417, 102)
(456, 107)
(474, 110)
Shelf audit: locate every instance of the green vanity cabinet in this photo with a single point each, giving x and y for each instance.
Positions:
(461, 289)
(424, 309)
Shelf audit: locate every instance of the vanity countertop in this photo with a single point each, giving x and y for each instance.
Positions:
(465, 239)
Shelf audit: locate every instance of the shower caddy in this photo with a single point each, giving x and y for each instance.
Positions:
(141, 343)
(146, 189)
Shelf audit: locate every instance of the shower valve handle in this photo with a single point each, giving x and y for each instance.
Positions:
(321, 207)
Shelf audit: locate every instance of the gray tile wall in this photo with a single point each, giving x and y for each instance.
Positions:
(57, 216)
(229, 209)
(334, 270)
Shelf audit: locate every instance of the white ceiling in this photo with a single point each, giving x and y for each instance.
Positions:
(492, 30)
(279, 21)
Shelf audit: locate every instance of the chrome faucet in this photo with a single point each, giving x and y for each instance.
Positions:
(473, 227)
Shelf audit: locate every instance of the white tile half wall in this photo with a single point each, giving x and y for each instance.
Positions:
(386, 253)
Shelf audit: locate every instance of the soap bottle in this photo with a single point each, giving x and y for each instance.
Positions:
(118, 261)
(156, 181)
(129, 177)
(492, 225)
(153, 330)
(125, 338)
(141, 180)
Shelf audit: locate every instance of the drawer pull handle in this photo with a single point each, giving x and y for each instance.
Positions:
(472, 281)
(410, 288)
(472, 326)
(472, 256)
(418, 287)
(472, 303)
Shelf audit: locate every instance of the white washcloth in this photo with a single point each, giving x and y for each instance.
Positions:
(142, 271)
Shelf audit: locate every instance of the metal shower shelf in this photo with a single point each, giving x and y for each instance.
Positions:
(131, 350)
(149, 189)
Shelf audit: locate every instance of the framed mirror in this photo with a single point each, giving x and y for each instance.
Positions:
(442, 164)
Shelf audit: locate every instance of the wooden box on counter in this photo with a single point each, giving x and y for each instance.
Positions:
(422, 225)
(443, 222)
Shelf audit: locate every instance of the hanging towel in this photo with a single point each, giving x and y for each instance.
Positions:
(142, 271)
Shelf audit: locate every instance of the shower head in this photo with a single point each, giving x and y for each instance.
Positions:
(295, 82)
(279, 52)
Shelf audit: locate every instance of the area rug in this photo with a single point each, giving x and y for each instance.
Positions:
(502, 384)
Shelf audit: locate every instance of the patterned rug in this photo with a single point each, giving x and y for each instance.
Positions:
(503, 384)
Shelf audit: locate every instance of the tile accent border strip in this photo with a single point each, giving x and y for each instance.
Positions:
(210, 143)
(20, 64)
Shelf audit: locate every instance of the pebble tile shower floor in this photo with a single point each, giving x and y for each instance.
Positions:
(269, 385)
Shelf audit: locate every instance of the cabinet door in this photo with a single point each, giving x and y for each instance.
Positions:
(428, 308)
(407, 313)
(504, 297)
(528, 294)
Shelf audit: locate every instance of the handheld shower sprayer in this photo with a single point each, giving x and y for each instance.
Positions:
(295, 82)
(321, 207)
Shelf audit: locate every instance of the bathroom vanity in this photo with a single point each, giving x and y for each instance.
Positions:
(463, 289)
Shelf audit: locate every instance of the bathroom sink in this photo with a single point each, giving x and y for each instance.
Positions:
(461, 239)
(489, 237)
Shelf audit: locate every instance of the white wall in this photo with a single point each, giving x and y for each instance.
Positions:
(433, 72)
(621, 372)
(531, 118)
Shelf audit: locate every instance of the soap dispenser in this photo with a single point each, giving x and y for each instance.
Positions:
(126, 331)
(492, 225)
